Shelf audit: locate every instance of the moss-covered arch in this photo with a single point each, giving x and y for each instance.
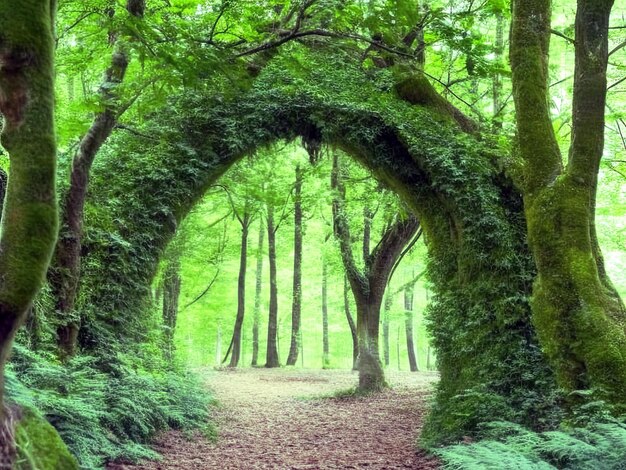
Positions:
(491, 367)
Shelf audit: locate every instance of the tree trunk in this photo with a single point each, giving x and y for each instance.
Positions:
(29, 223)
(497, 105)
(355, 338)
(576, 310)
(408, 322)
(257, 295)
(272, 324)
(325, 344)
(171, 295)
(241, 292)
(388, 303)
(296, 308)
(65, 273)
(368, 287)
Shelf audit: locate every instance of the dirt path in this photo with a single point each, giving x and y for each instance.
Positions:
(275, 419)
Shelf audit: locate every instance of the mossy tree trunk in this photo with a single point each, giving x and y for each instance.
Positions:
(296, 307)
(64, 274)
(580, 319)
(368, 286)
(29, 219)
(257, 295)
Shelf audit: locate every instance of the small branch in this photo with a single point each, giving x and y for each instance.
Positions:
(561, 35)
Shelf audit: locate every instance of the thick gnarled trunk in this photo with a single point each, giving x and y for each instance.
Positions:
(579, 318)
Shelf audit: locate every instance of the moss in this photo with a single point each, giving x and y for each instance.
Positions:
(39, 445)
(479, 262)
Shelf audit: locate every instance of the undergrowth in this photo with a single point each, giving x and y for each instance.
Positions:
(106, 416)
(598, 445)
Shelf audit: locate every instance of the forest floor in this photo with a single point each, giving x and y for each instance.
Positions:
(291, 419)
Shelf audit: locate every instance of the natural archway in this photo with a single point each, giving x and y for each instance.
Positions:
(479, 263)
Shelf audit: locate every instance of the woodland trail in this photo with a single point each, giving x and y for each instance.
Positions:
(277, 419)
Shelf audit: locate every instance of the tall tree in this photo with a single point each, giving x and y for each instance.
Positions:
(368, 285)
(29, 219)
(271, 359)
(408, 326)
(171, 294)
(65, 273)
(244, 220)
(257, 294)
(296, 307)
(578, 314)
(325, 342)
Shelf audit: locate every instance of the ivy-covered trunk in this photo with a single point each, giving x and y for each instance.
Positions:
(29, 219)
(580, 319)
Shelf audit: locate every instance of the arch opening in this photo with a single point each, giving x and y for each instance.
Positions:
(478, 261)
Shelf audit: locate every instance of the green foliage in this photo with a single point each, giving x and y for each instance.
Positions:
(599, 445)
(105, 416)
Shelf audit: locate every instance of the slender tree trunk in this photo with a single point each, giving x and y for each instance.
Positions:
(171, 295)
(576, 310)
(65, 273)
(408, 322)
(355, 338)
(29, 220)
(257, 295)
(241, 292)
(218, 345)
(497, 76)
(388, 303)
(325, 344)
(272, 325)
(296, 308)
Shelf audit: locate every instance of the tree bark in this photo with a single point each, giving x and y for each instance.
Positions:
(272, 324)
(257, 295)
(408, 322)
(171, 295)
(29, 220)
(580, 319)
(368, 287)
(325, 343)
(388, 303)
(64, 276)
(241, 291)
(351, 324)
(296, 307)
